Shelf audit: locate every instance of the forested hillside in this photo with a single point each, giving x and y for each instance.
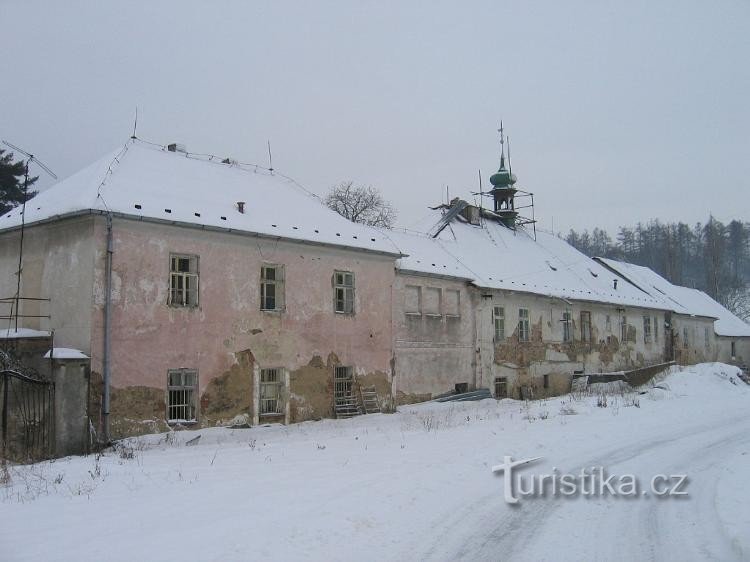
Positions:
(712, 257)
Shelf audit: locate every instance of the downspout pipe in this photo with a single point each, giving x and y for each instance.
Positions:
(107, 375)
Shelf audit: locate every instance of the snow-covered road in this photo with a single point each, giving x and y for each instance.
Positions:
(414, 485)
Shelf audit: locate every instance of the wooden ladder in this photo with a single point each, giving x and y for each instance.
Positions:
(370, 399)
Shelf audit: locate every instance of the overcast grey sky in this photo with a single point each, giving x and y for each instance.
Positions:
(618, 112)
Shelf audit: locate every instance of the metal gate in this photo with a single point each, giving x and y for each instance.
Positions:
(26, 417)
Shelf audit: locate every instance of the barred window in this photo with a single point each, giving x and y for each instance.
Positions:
(685, 337)
(343, 292)
(566, 324)
(183, 280)
(271, 381)
(646, 329)
(498, 315)
(706, 337)
(501, 387)
(272, 287)
(586, 326)
(523, 324)
(182, 391)
(623, 329)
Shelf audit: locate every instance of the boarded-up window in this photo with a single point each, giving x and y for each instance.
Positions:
(431, 301)
(586, 326)
(451, 302)
(413, 299)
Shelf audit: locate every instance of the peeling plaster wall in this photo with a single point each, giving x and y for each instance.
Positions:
(741, 350)
(546, 352)
(701, 345)
(227, 336)
(58, 262)
(432, 353)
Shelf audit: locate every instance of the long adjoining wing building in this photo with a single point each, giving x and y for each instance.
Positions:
(235, 296)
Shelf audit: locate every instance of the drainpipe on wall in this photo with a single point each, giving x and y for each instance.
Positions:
(107, 330)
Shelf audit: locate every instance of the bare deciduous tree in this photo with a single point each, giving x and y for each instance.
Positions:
(362, 204)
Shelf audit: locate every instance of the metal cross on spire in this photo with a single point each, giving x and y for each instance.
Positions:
(502, 144)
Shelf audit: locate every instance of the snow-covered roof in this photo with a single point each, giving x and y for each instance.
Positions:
(495, 257)
(65, 353)
(10, 334)
(682, 300)
(147, 181)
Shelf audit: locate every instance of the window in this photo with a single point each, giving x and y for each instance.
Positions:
(624, 329)
(182, 390)
(272, 287)
(183, 280)
(586, 326)
(413, 300)
(270, 391)
(685, 338)
(343, 292)
(546, 381)
(451, 302)
(646, 329)
(656, 328)
(523, 324)
(501, 387)
(734, 350)
(566, 324)
(343, 390)
(706, 337)
(432, 301)
(608, 324)
(498, 316)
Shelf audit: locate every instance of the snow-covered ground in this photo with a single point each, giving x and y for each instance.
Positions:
(413, 485)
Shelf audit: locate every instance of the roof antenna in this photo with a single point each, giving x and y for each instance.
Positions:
(30, 158)
(135, 123)
(270, 158)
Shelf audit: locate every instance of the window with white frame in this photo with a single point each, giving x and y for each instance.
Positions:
(586, 326)
(413, 299)
(343, 292)
(646, 329)
(567, 325)
(272, 287)
(608, 324)
(271, 383)
(451, 302)
(182, 393)
(523, 324)
(498, 319)
(183, 280)
(432, 297)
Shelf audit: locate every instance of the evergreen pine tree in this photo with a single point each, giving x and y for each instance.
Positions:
(11, 182)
